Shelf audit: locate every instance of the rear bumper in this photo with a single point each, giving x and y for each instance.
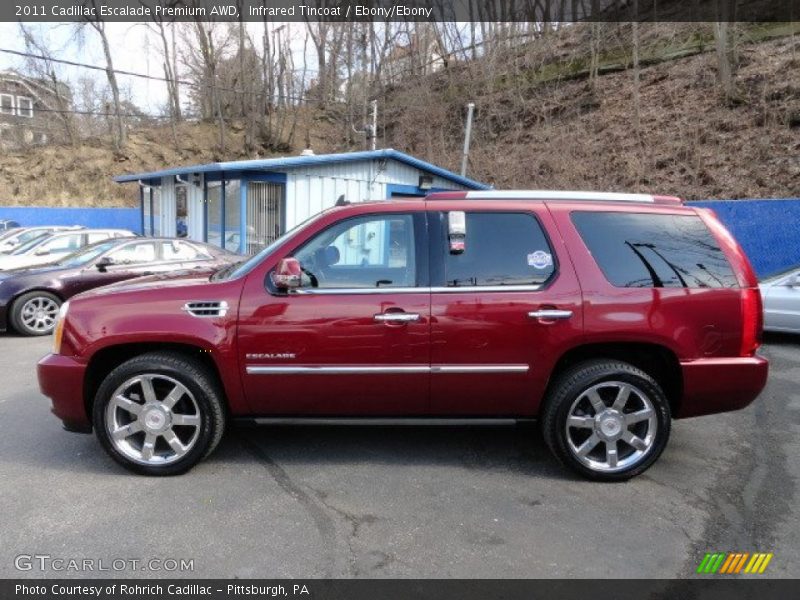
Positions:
(3, 317)
(61, 380)
(714, 385)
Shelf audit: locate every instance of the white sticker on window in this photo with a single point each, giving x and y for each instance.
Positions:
(540, 259)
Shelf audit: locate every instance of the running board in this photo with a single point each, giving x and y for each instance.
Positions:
(373, 421)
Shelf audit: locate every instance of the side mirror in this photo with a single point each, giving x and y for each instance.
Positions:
(457, 231)
(794, 280)
(42, 252)
(104, 263)
(287, 275)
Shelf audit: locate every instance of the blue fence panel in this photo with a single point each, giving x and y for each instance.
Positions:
(767, 230)
(117, 218)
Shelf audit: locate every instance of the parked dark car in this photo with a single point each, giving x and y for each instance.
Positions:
(6, 224)
(604, 316)
(30, 298)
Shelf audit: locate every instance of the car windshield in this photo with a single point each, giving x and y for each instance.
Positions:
(780, 275)
(87, 255)
(29, 245)
(243, 268)
(23, 236)
(4, 235)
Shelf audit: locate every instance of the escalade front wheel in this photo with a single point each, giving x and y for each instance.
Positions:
(159, 413)
(607, 420)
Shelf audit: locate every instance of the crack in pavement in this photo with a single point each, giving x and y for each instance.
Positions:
(322, 521)
(355, 521)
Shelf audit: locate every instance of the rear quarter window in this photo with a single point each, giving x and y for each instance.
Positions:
(654, 250)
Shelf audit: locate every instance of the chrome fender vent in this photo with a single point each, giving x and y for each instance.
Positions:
(206, 308)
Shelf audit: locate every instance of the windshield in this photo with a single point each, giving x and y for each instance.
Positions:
(248, 265)
(24, 248)
(776, 276)
(4, 235)
(86, 255)
(20, 237)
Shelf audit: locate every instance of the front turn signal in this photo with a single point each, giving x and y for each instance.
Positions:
(58, 331)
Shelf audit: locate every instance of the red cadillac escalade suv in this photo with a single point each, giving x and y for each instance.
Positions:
(601, 315)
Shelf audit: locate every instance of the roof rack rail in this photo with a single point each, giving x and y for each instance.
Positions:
(573, 196)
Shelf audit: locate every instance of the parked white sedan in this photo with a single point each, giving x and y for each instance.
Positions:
(53, 247)
(14, 238)
(781, 295)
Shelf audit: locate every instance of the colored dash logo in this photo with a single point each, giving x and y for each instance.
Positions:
(734, 563)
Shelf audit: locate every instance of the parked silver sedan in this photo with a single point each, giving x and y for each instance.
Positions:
(781, 295)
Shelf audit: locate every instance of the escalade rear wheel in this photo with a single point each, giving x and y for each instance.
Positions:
(158, 414)
(607, 420)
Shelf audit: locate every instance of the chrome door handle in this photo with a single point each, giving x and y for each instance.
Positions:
(396, 317)
(550, 314)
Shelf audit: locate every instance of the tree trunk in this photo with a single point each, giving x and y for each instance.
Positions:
(725, 62)
(120, 137)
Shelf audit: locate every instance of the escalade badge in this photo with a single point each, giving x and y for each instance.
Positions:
(271, 356)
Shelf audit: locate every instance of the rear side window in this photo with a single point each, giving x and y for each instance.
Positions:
(500, 249)
(648, 250)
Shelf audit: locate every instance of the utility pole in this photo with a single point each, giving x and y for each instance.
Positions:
(374, 129)
(467, 135)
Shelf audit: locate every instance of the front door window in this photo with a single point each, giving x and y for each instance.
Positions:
(367, 252)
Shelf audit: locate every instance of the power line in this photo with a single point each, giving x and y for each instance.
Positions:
(67, 111)
(185, 82)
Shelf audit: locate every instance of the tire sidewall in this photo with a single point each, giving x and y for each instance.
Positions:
(151, 366)
(593, 375)
(16, 312)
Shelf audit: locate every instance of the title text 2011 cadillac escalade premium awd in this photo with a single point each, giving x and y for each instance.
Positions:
(604, 316)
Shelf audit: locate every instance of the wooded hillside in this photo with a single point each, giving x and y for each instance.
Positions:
(672, 108)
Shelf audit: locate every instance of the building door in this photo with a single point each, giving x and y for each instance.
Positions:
(181, 211)
(264, 215)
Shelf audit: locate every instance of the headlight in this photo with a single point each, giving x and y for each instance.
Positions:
(58, 332)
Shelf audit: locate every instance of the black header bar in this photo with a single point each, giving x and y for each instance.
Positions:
(721, 588)
(399, 10)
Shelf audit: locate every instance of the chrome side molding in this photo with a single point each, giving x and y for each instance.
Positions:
(383, 370)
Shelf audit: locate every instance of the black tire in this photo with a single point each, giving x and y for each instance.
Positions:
(17, 321)
(578, 380)
(191, 374)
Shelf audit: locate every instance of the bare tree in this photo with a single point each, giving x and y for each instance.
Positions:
(204, 47)
(99, 26)
(726, 55)
(319, 30)
(45, 70)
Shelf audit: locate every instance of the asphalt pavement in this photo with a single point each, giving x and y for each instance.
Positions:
(398, 501)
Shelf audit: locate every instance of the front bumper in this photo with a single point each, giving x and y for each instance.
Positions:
(715, 385)
(61, 379)
(3, 317)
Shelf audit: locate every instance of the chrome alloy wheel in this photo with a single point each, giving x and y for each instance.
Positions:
(39, 314)
(153, 419)
(611, 426)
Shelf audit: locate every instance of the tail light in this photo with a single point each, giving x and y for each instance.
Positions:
(752, 308)
(752, 321)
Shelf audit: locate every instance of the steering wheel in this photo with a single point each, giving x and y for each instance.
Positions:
(312, 278)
